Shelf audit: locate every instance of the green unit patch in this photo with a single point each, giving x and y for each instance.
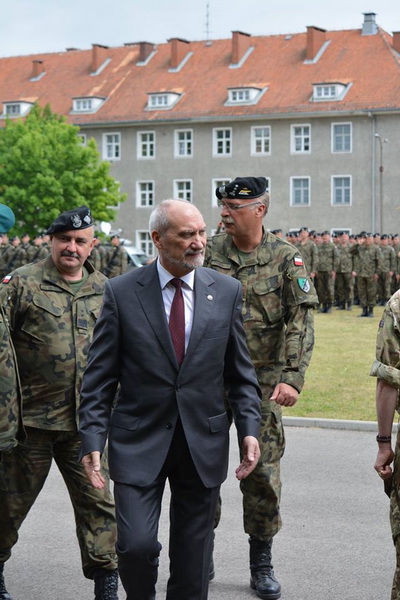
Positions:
(304, 284)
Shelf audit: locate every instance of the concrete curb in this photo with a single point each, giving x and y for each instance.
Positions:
(333, 424)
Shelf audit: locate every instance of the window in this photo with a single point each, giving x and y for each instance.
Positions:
(82, 138)
(260, 140)
(145, 193)
(222, 142)
(111, 146)
(183, 189)
(300, 191)
(86, 105)
(144, 242)
(162, 101)
(301, 139)
(327, 92)
(216, 183)
(341, 190)
(16, 109)
(250, 95)
(146, 144)
(341, 137)
(183, 143)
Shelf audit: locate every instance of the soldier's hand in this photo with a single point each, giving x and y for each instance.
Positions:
(92, 468)
(383, 460)
(251, 455)
(285, 395)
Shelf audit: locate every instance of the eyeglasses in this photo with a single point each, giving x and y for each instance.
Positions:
(233, 207)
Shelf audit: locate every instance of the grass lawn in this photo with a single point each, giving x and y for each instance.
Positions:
(338, 385)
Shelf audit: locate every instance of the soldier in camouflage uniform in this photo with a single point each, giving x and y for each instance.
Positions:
(386, 368)
(388, 269)
(52, 308)
(369, 267)
(309, 252)
(37, 250)
(344, 273)
(327, 263)
(116, 261)
(278, 298)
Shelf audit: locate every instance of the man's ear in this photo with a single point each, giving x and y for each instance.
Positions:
(155, 236)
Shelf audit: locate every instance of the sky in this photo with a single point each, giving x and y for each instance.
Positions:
(39, 26)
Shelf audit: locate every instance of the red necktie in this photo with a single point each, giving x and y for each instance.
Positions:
(177, 320)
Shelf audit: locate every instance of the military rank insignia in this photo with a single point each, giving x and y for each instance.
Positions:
(298, 261)
(304, 284)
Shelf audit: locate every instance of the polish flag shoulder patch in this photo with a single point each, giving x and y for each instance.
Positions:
(7, 279)
(298, 261)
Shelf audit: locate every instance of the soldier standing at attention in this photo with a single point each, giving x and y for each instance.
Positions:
(344, 273)
(52, 307)
(369, 267)
(327, 263)
(387, 270)
(308, 251)
(278, 298)
(116, 260)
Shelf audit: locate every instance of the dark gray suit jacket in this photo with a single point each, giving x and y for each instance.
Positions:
(132, 347)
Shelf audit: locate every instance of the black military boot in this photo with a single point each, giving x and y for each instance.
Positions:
(370, 311)
(328, 307)
(262, 578)
(364, 312)
(105, 585)
(4, 595)
(348, 306)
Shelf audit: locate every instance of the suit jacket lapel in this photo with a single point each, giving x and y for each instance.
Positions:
(204, 302)
(150, 297)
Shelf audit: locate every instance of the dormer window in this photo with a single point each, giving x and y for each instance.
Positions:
(329, 91)
(247, 95)
(16, 109)
(86, 104)
(162, 100)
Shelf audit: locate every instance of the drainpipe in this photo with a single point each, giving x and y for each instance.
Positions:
(373, 174)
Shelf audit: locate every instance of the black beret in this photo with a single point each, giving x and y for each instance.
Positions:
(77, 218)
(7, 218)
(384, 236)
(303, 229)
(243, 187)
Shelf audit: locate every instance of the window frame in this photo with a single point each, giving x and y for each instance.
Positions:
(145, 245)
(116, 155)
(334, 136)
(334, 189)
(253, 138)
(186, 142)
(149, 144)
(145, 194)
(224, 141)
(293, 178)
(178, 193)
(293, 138)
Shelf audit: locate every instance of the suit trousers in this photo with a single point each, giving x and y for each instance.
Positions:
(192, 511)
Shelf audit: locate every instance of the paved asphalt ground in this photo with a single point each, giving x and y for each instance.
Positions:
(335, 543)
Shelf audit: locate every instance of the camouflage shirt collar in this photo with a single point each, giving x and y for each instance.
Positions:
(259, 256)
(52, 277)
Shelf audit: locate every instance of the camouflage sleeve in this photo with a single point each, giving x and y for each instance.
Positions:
(299, 343)
(336, 258)
(9, 299)
(387, 363)
(314, 259)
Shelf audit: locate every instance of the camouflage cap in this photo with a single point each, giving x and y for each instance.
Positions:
(77, 218)
(7, 218)
(243, 187)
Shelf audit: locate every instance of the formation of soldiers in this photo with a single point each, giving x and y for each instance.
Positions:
(109, 258)
(349, 270)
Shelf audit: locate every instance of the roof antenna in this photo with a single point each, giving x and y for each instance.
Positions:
(208, 41)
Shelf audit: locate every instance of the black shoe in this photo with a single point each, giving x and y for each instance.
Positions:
(262, 578)
(370, 311)
(105, 585)
(348, 306)
(4, 595)
(364, 312)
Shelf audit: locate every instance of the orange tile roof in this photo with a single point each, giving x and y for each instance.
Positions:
(368, 62)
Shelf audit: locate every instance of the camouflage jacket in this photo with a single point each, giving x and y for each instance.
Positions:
(328, 257)
(10, 394)
(51, 330)
(345, 259)
(369, 260)
(115, 262)
(309, 252)
(387, 363)
(277, 305)
(388, 259)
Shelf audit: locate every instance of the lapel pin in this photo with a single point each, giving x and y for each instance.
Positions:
(209, 297)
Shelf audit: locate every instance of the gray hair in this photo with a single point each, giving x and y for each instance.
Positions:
(159, 218)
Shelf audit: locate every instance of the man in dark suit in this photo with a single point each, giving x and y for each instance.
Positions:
(169, 419)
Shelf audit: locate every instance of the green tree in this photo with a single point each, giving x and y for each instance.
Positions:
(45, 169)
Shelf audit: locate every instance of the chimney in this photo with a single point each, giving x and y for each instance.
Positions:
(37, 68)
(316, 38)
(145, 49)
(369, 26)
(179, 49)
(99, 55)
(396, 41)
(240, 45)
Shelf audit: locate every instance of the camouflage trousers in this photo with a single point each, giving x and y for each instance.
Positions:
(262, 488)
(325, 287)
(367, 290)
(344, 287)
(23, 472)
(384, 287)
